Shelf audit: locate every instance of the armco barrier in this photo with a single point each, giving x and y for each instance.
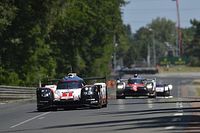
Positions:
(139, 70)
(10, 93)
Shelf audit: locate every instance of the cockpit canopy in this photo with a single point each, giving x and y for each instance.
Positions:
(136, 81)
(71, 81)
(70, 85)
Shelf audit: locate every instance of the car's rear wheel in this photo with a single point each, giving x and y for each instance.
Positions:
(152, 95)
(41, 109)
(167, 93)
(120, 97)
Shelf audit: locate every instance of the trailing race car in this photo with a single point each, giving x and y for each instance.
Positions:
(163, 89)
(135, 87)
(68, 93)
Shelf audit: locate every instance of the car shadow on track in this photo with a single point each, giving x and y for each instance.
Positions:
(139, 123)
(63, 109)
(188, 122)
(154, 101)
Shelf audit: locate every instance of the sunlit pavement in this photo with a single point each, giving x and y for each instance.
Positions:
(176, 114)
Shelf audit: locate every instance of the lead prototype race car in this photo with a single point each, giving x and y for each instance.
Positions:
(136, 86)
(72, 91)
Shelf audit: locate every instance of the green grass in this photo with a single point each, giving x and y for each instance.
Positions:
(196, 83)
(181, 69)
(198, 90)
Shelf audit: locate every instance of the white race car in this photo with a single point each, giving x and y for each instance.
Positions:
(163, 89)
(68, 92)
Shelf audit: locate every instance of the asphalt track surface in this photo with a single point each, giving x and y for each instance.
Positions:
(139, 115)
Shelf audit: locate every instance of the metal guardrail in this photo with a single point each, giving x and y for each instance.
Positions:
(139, 70)
(12, 93)
(9, 93)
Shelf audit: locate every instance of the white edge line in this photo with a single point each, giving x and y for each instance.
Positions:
(178, 114)
(29, 120)
(170, 127)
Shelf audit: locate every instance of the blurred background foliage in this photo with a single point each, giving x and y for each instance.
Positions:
(47, 39)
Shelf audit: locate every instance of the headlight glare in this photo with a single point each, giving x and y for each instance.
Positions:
(149, 86)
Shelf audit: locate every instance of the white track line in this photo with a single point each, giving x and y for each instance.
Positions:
(150, 103)
(169, 128)
(178, 114)
(23, 122)
(121, 104)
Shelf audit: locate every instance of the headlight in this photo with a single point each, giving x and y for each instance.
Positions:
(120, 86)
(46, 95)
(88, 93)
(149, 86)
(166, 88)
(86, 88)
(170, 87)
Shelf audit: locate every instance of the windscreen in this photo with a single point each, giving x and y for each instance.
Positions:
(135, 81)
(159, 85)
(69, 85)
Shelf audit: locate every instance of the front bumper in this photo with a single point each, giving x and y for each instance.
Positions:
(139, 92)
(90, 100)
(58, 103)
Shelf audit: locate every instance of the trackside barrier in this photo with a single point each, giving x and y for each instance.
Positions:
(139, 70)
(9, 93)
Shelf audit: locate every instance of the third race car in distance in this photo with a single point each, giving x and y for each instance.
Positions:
(136, 86)
(163, 89)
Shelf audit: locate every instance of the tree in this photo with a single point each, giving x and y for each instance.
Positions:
(193, 44)
(160, 31)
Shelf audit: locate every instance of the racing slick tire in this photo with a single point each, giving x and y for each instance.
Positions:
(167, 93)
(120, 97)
(105, 105)
(96, 106)
(152, 96)
(100, 105)
(42, 109)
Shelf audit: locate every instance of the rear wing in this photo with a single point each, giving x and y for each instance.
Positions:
(86, 80)
(95, 79)
(49, 82)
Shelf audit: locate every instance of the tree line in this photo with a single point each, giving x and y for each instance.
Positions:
(48, 38)
(162, 33)
(43, 39)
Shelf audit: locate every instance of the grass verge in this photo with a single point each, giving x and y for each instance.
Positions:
(196, 83)
(181, 69)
